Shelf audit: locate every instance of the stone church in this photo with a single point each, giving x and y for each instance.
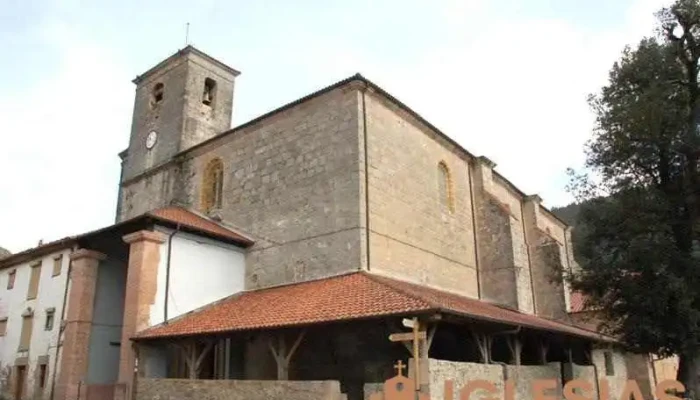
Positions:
(306, 237)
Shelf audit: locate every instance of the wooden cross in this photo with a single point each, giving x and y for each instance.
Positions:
(414, 337)
(399, 367)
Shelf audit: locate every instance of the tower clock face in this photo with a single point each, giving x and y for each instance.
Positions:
(151, 139)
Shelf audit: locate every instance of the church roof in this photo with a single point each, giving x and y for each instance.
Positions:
(172, 216)
(359, 295)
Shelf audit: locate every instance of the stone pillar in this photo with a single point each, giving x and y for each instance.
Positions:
(78, 324)
(141, 283)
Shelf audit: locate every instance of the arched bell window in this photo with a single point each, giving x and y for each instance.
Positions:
(157, 94)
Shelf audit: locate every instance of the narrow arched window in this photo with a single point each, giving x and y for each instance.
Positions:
(213, 185)
(445, 187)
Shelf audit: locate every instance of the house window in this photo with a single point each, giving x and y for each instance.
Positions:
(50, 313)
(34, 281)
(209, 91)
(57, 264)
(213, 185)
(609, 365)
(157, 94)
(26, 335)
(445, 187)
(11, 279)
(3, 326)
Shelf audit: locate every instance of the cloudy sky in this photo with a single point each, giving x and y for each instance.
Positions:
(507, 79)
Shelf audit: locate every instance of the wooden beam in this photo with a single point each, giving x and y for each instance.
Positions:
(544, 349)
(516, 348)
(431, 336)
(283, 356)
(296, 345)
(407, 336)
(484, 343)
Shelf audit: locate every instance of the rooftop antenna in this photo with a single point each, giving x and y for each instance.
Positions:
(187, 34)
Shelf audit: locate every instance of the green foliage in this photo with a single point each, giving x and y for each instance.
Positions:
(636, 235)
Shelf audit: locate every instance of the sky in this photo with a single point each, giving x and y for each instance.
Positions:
(506, 79)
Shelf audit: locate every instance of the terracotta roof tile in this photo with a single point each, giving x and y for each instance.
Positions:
(182, 216)
(477, 309)
(578, 303)
(347, 297)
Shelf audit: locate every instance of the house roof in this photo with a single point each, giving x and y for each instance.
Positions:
(171, 216)
(359, 295)
(4, 252)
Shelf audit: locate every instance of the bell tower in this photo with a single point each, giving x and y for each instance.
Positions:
(181, 102)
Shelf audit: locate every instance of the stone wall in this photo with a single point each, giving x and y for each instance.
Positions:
(413, 236)
(524, 377)
(460, 373)
(585, 373)
(521, 377)
(292, 183)
(184, 389)
(616, 379)
(639, 369)
(504, 265)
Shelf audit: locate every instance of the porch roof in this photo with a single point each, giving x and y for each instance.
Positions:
(354, 296)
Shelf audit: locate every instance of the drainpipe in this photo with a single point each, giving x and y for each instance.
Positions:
(167, 273)
(60, 326)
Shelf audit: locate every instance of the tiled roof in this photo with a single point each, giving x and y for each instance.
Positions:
(578, 302)
(187, 218)
(354, 296)
(172, 215)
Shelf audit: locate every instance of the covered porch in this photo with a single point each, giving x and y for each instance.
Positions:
(352, 329)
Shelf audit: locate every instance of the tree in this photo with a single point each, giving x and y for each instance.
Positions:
(636, 236)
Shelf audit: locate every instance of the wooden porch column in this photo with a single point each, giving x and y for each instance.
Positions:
(543, 350)
(516, 348)
(483, 342)
(282, 355)
(193, 356)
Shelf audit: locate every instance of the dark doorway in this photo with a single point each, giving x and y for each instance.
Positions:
(20, 381)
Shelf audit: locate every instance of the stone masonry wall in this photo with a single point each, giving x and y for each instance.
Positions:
(412, 235)
(150, 192)
(584, 373)
(504, 264)
(460, 373)
(184, 389)
(524, 376)
(548, 259)
(497, 272)
(166, 118)
(292, 183)
(615, 381)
